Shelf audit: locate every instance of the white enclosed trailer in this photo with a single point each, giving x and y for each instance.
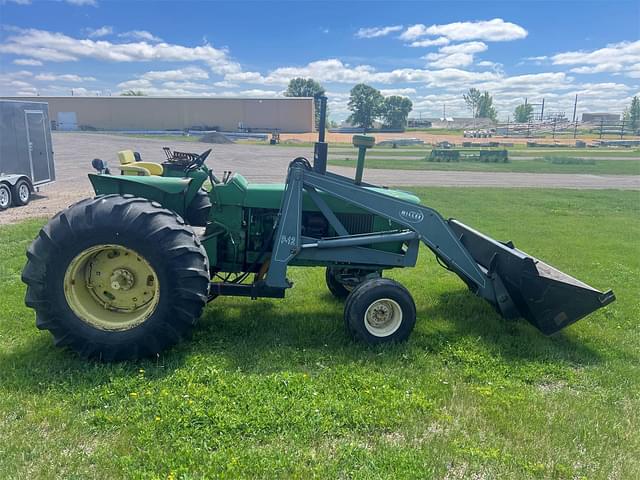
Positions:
(26, 153)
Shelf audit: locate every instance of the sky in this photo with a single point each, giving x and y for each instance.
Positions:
(431, 52)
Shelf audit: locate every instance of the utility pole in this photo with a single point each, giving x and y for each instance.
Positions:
(542, 111)
(575, 105)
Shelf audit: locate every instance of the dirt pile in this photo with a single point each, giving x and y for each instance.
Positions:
(215, 137)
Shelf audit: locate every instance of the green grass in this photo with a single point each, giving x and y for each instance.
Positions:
(276, 389)
(536, 165)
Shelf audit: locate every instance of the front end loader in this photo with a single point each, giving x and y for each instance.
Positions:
(127, 273)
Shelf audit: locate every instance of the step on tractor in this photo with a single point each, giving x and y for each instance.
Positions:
(127, 273)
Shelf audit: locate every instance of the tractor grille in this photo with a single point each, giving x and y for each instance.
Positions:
(356, 223)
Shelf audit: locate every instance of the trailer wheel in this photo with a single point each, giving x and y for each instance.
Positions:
(116, 277)
(380, 311)
(21, 193)
(5, 196)
(341, 289)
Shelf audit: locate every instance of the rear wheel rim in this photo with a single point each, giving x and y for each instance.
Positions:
(383, 317)
(23, 192)
(4, 197)
(111, 287)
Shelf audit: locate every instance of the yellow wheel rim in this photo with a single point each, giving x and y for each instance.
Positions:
(111, 287)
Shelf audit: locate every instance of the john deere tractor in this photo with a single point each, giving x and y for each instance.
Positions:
(127, 273)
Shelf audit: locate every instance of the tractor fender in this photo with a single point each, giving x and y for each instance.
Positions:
(173, 193)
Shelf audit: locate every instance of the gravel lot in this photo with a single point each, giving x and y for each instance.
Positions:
(74, 152)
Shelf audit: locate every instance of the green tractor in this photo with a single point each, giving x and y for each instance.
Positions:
(127, 273)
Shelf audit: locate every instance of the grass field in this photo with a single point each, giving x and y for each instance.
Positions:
(535, 165)
(276, 389)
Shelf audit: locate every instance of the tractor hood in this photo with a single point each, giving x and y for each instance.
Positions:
(238, 191)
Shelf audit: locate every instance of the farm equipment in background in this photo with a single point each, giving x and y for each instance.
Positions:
(275, 138)
(127, 273)
(483, 156)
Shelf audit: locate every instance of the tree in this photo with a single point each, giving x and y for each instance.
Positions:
(632, 114)
(133, 93)
(480, 104)
(523, 113)
(365, 103)
(395, 110)
(307, 87)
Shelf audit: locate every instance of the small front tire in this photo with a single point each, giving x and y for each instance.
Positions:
(380, 311)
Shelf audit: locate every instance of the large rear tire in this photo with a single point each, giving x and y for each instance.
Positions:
(197, 213)
(116, 277)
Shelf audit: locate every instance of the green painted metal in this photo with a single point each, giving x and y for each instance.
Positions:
(172, 192)
(362, 142)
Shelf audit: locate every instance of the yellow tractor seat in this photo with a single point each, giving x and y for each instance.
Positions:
(128, 163)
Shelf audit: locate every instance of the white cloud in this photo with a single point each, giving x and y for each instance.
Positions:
(52, 77)
(58, 47)
(28, 62)
(182, 74)
(469, 47)
(398, 91)
(256, 92)
(99, 32)
(140, 35)
(20, 2)
(81, 3)
(622, 57)
(488, 63)
(495, 30)
(225, 84)
(374, 32)
(136, 84)
(439, 60)
(458, 55)
(335, 71)
(430, 43)
(414, 31)
(186, 85)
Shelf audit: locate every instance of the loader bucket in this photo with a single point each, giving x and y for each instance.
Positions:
(526, 287)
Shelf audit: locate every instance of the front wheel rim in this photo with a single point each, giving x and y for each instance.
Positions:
(111, 287)
(383, 317)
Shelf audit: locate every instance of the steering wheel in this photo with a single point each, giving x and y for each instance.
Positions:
(197, 162)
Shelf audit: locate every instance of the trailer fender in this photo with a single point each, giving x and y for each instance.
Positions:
(13, 179)
(173, 193)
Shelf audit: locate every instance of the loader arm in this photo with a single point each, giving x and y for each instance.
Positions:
(513, 282)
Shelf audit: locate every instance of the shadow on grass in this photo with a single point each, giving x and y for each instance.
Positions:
(469, 316)
(261, 338)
